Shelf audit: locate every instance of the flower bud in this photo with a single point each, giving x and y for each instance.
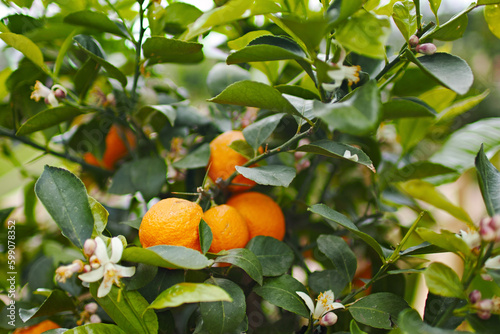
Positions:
(95, 319)
(87, 268)
(484, 315)
(91, 308)
(413, 41)
(328, 319)
(426, 48)
(475, 296)
(77, 266)
(485, 305)
(60, 94)
(89, 247)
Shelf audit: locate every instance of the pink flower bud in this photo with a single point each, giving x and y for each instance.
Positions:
(475, 296)
(87, 268)
(485, 305)
(77, 266)
(484, 315)
(89, 247)
(413, 41)
(426, 48)
(95, 319)
(91, 308)
(328, 319)
(488, 229)
(60, 94)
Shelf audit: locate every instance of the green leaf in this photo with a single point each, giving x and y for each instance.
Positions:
(222, 316)
(298, 91)
(337, 251)
(205, 236)
(190, 293)
(85, 77)
(256, 133)
(274, 256)
(360, 115)
(173, 257)
(245, 259)
(165, 109)
(426, 192)
(406, 108)
(128, 309)
(451, 30)
(24, 45)
(445, 240)
(411, 323)
(100, 215)
(47, 118)
(365, 33)
(308, 31)
(271, 175)
(435, 4)
(339, 10)
(334, 149)
(329, 279)
(492, 17)
(267, 48)
(241, 42)
(412, 131)
(487, 2)
(459, 107)
(420, 170)
(243, 148)
(168, 50)
(379, 310)
(282, 292)
(178, 16)
(450, 71)
(57, 301)
(355, 328)
(443, 281)
(405, 17)
(95, 20)
(91, 329)
(333, 216)
(489, 183)
(255, 94)
(65, 198)
(196, 159)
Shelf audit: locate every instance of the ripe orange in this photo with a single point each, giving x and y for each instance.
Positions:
(38, 328)
(223, 160)
(229, 229)
(172, 221)
(262, 214)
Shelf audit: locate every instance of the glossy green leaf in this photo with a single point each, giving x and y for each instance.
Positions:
(92, 329)
(47, 118)
(165, 109)
(365, 33)
(245, 259)
(65, 198)
(223, 316)
(206, 236)
(282, 292)
(241, 42)
(195, 159)
(337, 251)
(128, 309)
(489, 183)
(168, 50)
(443, 281)
(255, 94)
(435, 4)
(57, 301)
(492, 17)
(420, 170)
(182, 293)
(257, 133)
(271, 175)
(24, 45)
(407, 108)
(243, 148)
(173, 257)
(379, 310)
(360, 115)
(334, 149)
(405, 17)
(426, 192)
(333, 216)
(445, 240)
(355, 328)
(95, 20)
(329, 279)
(275, 257)
(339, 10)
(451, 30)
(449, 70)
(460, 107)
(100, 215)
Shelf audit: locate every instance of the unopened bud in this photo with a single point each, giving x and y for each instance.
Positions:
(77, 266)
(60, 94)
(89, 247)
(413, 41)
(475, 296)
(91, 308)
(328, 319)
(95, 319)
(484, 315)
(485, 305)
(426, 48)
(87, 268)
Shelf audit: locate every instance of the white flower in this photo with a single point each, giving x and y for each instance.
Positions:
(348, 156)
(106, 267)
(351, 73)
(471, 238)
(493, 263)
(41, 91)
(65, 272)
(324, 303)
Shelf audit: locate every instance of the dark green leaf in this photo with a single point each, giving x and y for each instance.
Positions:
(445, 240)
(205, 236)
(47, 118)
(4, 214)
(89, 43)
(24, 45)
(489, 182)
(359, 115)
(195, 159)
(65, 198)
(330, 279)
(222, 316)
(420, 170)
(403, 108)
(144, 274)
(245, 259)
(355, 328)
(298, 91)
(443, 281)
(95, 20)
(437, 306)
(85, 77)
(337, 251)
(92, 329)
(257, 133)
(167, 110)
(411, 323)
(339, 10)
(379, 310)
(168, 50)
(128, 309)
(450, 71)
(173, 257)
(282, 292)
(57, 301)
(275, 256)
(405, 17)
(190, 293)
(272, 175)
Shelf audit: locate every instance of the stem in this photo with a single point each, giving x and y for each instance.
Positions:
(138, 47)
(122, 19)
(419, 19)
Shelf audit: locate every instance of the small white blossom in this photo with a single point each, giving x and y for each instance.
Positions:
(324, 304)
(40, 91)
(471, 238)
(65, 272)
(341, 72)
(493, 263)
(349, 156)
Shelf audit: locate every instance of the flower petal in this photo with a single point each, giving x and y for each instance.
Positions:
(336, 305)
(101, 251)
(305, 297)
(116, 250)
(125, 271)
(493, 263)
(104, 289)
(92, 276)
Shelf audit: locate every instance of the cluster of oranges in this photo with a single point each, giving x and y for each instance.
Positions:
(175, 221)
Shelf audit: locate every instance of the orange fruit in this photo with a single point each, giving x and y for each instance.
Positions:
(262, 214)
(171, 221)
(229, 229)
(116, 149)
(91, 159)
(38, 328)
(223, 160)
